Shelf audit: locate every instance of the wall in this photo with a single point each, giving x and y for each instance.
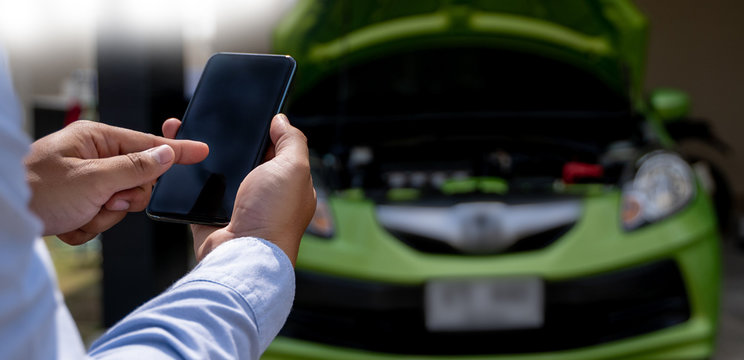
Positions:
(696, 46)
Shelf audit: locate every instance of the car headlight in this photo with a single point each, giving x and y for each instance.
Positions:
(663, 184)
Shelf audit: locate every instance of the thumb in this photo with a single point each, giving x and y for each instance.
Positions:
(126, 171)
(289, 141)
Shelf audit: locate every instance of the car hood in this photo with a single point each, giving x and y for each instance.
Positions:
(606, 38)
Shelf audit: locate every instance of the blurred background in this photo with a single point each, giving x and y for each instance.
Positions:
(134, 63)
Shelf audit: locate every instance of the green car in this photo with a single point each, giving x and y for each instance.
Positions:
(493, 184)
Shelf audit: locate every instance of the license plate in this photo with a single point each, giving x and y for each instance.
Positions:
(484, 304)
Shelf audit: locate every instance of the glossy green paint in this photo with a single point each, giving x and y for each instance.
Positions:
(607, 37)
(403, 194)
(597, 244)
(669, 104)
(487, 185)
(685, 342)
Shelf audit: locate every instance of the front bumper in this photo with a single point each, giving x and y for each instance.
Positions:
(578, 313)
(660, 304)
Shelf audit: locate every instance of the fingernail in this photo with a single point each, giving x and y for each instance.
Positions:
(163, 154)
(119, 205)
(283, 118)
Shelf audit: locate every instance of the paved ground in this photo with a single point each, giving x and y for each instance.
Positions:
(731, 332)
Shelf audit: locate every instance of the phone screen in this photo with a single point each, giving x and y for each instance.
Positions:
(231, 111)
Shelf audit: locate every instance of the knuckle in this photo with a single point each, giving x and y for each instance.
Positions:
(138, 162)
(301, 169)
(300, 136)
(303, 166)
(84, 125)
(80, 123)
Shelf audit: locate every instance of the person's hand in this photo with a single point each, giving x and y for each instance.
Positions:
(275, 201)
(87, 176)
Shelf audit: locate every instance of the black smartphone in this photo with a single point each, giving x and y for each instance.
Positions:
(231, 111)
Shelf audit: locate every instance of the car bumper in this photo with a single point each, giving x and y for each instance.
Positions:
(661, 303)
(680, 343)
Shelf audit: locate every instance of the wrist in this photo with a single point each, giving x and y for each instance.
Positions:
(220, 236)
(211, 242)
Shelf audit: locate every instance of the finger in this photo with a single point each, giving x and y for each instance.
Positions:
(103, 221)
(76, 237)
(114, 174)
(289, 142)
(116, 141)
(134, 199)
(170, 128)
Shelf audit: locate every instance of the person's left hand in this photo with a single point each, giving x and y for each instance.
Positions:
(87, 176)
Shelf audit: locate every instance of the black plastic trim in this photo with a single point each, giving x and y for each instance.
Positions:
(581, 312)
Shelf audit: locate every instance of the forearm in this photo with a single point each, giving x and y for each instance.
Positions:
(231, 305)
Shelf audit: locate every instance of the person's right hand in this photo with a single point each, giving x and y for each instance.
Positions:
(87, 176)
(275, 201)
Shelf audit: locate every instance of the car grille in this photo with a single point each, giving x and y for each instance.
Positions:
(479, 228)
(581, 312)
(537, 241)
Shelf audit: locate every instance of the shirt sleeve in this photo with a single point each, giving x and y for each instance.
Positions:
(34, 322)
(230, 306)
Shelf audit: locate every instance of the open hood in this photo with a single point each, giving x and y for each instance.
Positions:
(604, 38)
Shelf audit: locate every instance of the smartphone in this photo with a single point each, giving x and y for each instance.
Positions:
(231, 111)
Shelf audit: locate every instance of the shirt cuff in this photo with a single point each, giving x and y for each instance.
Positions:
(260, 272)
